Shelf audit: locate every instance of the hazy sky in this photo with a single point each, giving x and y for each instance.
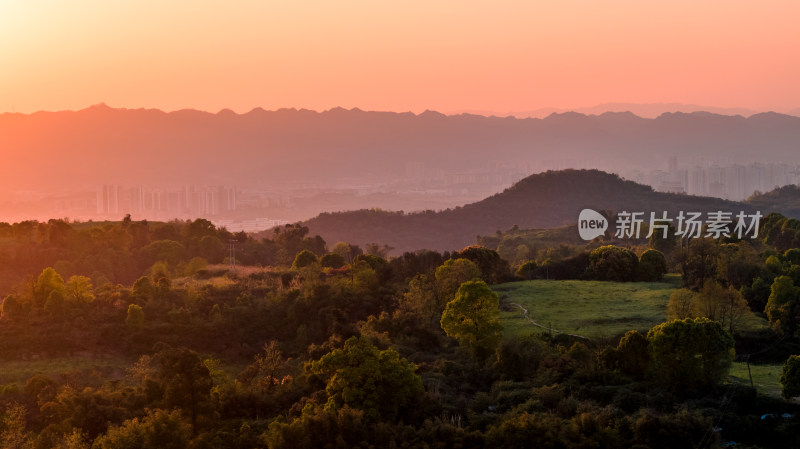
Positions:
(401, 55)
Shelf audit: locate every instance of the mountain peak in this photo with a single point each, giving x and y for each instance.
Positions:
(544, 200)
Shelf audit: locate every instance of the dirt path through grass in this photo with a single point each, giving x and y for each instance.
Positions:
(530, 319)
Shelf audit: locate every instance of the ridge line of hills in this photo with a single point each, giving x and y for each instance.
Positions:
(539, 114)
(272, 150)
(547, 200)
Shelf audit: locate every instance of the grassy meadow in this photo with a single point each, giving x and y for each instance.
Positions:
(593, 309)
(766, 378)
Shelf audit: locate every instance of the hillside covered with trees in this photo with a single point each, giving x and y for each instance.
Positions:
(308, 345)
(545, 200)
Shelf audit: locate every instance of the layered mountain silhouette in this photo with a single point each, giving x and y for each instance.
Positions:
(61, 150)
(646, 110)
(546, 200)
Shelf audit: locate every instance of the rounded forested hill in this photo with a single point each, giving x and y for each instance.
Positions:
(545, 200)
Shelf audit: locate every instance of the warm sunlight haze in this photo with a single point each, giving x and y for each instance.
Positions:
(449, 56)
(299, 224)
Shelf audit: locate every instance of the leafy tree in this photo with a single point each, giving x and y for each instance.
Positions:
(738, 264)
(527, 270)
(13, 432)
(757, 294)
(690, 353)
(709, 300)
(200, 228)
(780, 232)
(699, 262)
(195, 265)
(168, 251)
(135, 317)
(680, 429)
(573, 267)
(59, 232)
(781, 307)
(376, 249)
(472, 318)
(375, 262)
(210, 247)
(12, 308)
(158, 429)
(79, 290)
(664, 245)
(774, 264)
(5, 229)
(347, 251)
(40, 388)
(143, 289)
(183, 381)
(291, 239)
(679, 305)
(534, 430)
(410, 264)
(342, 428)
(451, 274)
(792, 256)
(421, 301)
(23, 231)
(652, 266)
(87, 409)
(612, 263)
(634, 358)
(793, 271)
(332, 260)
(380, 383)
(48, 281)
(263, 372)
(54, 305)
(364, 277)
(73, 440)
(303, 259)
(790, 377)
(718, 303)
(519, 358)
(158, 271)
(493, 268)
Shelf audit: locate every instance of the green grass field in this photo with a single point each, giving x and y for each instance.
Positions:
(593, 309)
(766, 378)
(597, 309)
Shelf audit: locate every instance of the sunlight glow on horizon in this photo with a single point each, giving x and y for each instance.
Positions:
(446, 56)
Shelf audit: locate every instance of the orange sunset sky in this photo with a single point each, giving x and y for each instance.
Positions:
(499, 56)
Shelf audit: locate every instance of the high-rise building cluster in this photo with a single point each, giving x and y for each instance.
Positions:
(188, 201)
(731, 182)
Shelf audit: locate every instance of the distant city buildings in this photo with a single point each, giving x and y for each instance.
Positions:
(734, 182)
(189, 201)
(417, 186)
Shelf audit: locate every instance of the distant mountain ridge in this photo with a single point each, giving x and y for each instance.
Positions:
(644, 110)
(60, 150)
(546, 200)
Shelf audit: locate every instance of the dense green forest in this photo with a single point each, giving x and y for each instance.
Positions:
(311, 344)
